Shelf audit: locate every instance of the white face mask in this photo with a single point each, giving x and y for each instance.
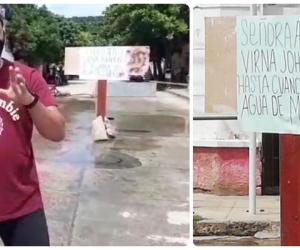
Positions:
(2, 35)
(5, 52)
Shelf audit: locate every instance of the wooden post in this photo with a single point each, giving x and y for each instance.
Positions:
(101, 92)
(290, 189)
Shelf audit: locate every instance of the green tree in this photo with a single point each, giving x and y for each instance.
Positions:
(33, 32)
(91, 25)
(37, 35)
(154, 25)
(72, 34)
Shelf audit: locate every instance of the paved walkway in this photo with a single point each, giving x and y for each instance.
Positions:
(79, 88)
(234, 208)
(235, 241)
(131, 191)
(83, 87)
(183, 93)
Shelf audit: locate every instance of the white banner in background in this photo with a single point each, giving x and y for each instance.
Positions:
(113, 63)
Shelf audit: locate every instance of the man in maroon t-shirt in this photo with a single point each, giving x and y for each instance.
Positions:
(25, 100)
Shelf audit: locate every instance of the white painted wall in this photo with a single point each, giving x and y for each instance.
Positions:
(200, 13)
(220, 133)
(211, 133)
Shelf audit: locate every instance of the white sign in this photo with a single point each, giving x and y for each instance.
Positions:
(268, 74)
(113, 63)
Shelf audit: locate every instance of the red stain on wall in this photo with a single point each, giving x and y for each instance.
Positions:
(223, 171)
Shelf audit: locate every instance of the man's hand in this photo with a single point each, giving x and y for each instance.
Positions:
(48, 120)
(17, 90)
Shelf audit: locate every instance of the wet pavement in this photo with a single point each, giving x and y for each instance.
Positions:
(133, 190)
(234, 208)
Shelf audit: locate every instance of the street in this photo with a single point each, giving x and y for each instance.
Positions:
(131, 191)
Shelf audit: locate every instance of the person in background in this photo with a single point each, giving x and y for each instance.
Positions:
(148, 75)
(62, 74)
(176, 65)
(25, 101)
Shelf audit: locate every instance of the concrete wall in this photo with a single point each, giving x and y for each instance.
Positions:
(214, 130)
(223, 171)
(131, 89)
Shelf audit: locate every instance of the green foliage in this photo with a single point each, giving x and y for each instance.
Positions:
(196, 219)
(41, 35)
(34, 31)
(130, 24)
(154, 25)
(91, 26)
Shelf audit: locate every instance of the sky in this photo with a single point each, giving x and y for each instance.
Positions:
(69, 10)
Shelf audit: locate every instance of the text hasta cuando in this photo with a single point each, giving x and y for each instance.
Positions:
(270, 60)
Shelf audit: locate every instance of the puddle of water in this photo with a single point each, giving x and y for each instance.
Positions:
(135, 144)
(136, 134)
(71, 105)
(160, 125)
(102, 158)
(134, 131)
(116, 160)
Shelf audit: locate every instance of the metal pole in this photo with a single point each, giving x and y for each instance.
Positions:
(253, 9)
(252, 173)
(101, 91)
(252, 154)
(214, 117)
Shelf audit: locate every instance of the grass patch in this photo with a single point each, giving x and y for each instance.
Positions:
(197, 218)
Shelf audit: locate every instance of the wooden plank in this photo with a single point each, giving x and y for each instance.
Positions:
(220, 65)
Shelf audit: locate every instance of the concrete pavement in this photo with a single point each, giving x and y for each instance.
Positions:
(183, 93)
(130, 191)
(83, 87)
(235, 241)
(224, 220)
(234, 208)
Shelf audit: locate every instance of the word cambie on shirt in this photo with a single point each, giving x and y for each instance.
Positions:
(8, 106)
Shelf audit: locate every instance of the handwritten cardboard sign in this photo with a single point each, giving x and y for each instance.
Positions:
(113, 63)
(268, 74)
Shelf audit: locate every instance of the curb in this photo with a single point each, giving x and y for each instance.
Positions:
(231, 228)
(235, 241)
(170, 91)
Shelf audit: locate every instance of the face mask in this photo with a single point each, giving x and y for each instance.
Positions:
(1, 46)
(2, 42)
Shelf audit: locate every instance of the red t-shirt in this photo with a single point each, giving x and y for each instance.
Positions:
(19, 186)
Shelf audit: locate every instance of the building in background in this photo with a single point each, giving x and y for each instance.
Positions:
(220, 148)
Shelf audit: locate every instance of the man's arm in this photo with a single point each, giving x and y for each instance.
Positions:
(48, 121)
(45, 115)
